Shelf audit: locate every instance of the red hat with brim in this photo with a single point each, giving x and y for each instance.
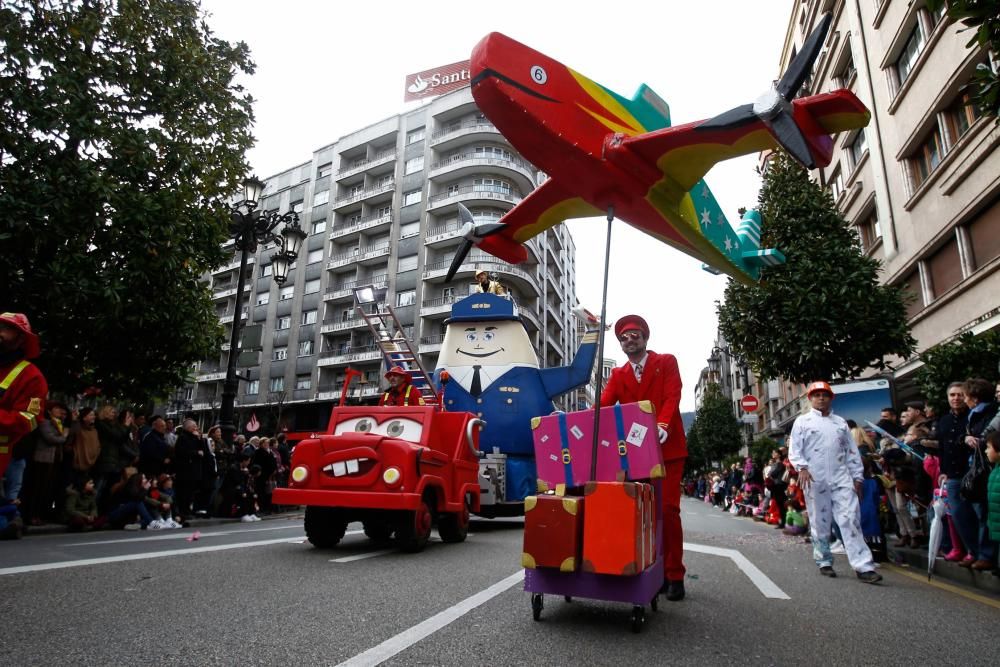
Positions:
(397, 371)
(630, 323)
(19, 321)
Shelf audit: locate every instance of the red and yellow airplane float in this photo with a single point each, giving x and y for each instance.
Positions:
(604, 153)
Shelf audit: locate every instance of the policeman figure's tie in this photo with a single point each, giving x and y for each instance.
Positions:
(477, 385)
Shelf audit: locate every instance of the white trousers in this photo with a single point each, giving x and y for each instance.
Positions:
(837, 502)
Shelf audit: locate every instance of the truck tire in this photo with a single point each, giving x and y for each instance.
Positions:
(414, 528)
(378, 530)
(325, 526)
(454, 526)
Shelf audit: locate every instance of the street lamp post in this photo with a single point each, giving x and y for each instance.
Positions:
(249, 228)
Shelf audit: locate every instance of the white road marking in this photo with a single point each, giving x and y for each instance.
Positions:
(370, 554)
(40, 567)
(758, 578)
(407, 638)
(171, 535)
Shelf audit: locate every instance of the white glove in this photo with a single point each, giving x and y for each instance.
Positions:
(663, 434)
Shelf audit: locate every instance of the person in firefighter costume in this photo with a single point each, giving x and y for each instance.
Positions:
(401, 391)
(656, 378)
(831, 474)
(22, 386)
(493, 372)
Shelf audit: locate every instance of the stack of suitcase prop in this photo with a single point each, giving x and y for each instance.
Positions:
(596, 535)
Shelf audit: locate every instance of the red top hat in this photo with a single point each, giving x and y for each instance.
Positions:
(19, 321)
(630, 322)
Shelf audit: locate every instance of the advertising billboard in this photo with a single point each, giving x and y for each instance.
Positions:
(436, 81)
(861, 401)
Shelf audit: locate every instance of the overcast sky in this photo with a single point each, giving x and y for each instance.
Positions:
(326, 69)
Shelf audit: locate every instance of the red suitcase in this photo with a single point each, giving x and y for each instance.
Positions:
(616, 528)
(553, 527)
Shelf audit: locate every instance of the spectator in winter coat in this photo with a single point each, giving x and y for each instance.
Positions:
(49, 441)
(114, 433)
(128, 501)
(982, 410)
(85, 444)
(189, 458)
(81, 506)
(209, 473)
(268, 469)
(154, 451)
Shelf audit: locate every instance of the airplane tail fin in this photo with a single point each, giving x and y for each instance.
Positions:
(711, 269)
(748, 234)
(762, 258)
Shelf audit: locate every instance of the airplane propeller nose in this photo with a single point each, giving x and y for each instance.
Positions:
(472, 234)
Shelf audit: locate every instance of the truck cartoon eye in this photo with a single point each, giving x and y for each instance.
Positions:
(356, 425)
(488, 336)
(403, 429)
(471, 336)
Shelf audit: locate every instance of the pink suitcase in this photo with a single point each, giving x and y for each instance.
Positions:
(628, 447)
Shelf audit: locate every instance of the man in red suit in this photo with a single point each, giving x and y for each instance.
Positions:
(400, 392)
(22, 387)
(656, 378)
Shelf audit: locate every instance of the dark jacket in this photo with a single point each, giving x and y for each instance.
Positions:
(265, 459)
(951, 429)
(153, 450)
(116, 446)
(187, 463)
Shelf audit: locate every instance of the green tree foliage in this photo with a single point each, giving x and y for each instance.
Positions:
(966, 357)
(822, 314)
(121, 130)
(982, 18)
(761, 448)
(715, 433)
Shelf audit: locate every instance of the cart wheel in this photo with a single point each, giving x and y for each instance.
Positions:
(654, 604)
(568, 598)
(536, 606)
(638, 618)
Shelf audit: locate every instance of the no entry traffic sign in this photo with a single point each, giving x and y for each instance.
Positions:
(749, 403)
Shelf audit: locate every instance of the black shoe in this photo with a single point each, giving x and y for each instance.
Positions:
(870, 577)
(673, 590)
(827, 571)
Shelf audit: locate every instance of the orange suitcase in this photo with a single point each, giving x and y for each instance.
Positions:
(553, 527)
(617, 528)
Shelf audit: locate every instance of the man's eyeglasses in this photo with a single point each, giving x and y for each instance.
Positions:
(630, 335)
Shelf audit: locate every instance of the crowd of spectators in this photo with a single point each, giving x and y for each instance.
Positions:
(913, 457)
(112, 468)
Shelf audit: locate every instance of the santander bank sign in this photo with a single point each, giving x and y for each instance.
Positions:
(436, 81)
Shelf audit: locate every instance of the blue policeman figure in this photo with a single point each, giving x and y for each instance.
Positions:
(494, 373)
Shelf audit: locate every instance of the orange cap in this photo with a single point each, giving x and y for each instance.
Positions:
(819, 386)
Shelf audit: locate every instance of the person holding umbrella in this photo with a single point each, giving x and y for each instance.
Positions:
(831, 475)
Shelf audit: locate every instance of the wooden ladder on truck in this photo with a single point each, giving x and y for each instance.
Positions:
(396, 349)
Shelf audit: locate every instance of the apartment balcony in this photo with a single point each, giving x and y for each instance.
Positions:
(213, 376)
(472, 195)
(464, 165)
(366, 256)
(371, 223)
(346, 324)
(457, 134)
(231, 266)
(349, 355)
(530, 315)
(364, 165)
(228, 319)
(345, 289)
(430, 344)
(226, 292)
(440, 306)
(363, 195)
(440, 234)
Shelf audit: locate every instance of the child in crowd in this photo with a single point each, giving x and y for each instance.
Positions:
(161, 503)
(993, 488)
(795, 522)
(81, 506)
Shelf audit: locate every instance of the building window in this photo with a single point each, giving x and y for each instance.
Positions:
(408, 263)
(283, 322)
(298, 206)
(279, 353)
(286, 292)
(448, 295)
(253, 387)
(412, 197)
(409, 229)
(265, 270)
(857, 148)
(276, 385)
(319, 226)
(312, 286)
(413, 165)
(492, 152)
(324, 170)
(926, 158)
(303, 382)
(836, 184)
(384, 181)
(945, 268)
(263, 298)
(314, 256)
(309, 316)
(911, 51)
(869, 230)
(383, 212)
(405, 298)
(846, 74)
(984, 233)
(486, 214)
(959, 117)
(413, 136)
(321, 198)
(305, 348)
(491, 185)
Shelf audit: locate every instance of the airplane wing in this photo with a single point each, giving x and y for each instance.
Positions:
(685, 153)
(546, 206)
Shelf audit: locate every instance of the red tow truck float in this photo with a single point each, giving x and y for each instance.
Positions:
(397, 470)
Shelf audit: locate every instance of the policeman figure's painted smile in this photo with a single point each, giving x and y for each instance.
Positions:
(472, 336)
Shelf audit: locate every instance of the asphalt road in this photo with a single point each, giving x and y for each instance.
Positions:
(258, 594)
